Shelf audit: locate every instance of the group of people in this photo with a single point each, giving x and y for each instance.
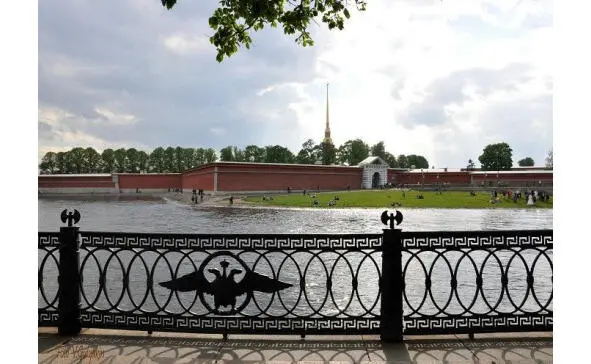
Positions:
(530, 196)
(534, 195)
(331, 203)
(197, 195)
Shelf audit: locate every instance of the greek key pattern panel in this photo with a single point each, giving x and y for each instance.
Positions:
(47, 318)
(246, 241)
(227, 324)
(48, 239)
(477, 239)
(475, 324)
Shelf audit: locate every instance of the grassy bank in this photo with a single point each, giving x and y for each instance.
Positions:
(385, 198)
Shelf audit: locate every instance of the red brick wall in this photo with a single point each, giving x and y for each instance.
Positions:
(45, 181)
(275, 177)
(514, 178)
(155, 181)
(236, 177)
(461, 178)
(199, 179)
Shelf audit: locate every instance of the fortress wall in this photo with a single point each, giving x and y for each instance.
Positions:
(280, 177)
(200, 178)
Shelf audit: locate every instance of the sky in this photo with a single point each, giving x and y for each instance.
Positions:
(441, 79)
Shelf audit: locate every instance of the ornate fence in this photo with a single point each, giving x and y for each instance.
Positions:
(467, 282)
(390, 284)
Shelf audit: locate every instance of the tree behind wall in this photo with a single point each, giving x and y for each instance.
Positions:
(120, 160)
(402, 161)
(308, 154)
(391, 160)
(210, 155)
(417, 160)
(328, 153)
(92, 161)
(157, 163)
(226, 154)
(143, 160)
(496, 157)
(61, 162)
(550, 159)
(526, 162)
(352, 152)
(254, 154)
(169, 165)
(132, 161)
(77, 160)
(379, 150)
(278, 154)
(48, 163)
(108, 160)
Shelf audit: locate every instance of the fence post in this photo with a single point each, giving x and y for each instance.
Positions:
(69, 276)
(392, 283)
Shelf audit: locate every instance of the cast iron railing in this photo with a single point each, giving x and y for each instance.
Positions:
(477, 281)
(390, 284)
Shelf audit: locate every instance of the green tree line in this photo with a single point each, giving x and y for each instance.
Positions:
(160, 160)
(173, 160)
(349, 153)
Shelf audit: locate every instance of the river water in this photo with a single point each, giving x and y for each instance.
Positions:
(161, 215)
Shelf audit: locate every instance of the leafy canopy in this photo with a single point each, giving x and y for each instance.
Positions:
(496, 157)
(526, 162)
(234, 20)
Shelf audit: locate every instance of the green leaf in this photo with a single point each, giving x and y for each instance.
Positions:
(346, 12)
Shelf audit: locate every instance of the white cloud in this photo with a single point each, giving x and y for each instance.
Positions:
(116, 119)
(218, 131)
(186, 44)
(59, 131)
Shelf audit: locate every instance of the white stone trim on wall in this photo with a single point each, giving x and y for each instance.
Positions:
(77, 190)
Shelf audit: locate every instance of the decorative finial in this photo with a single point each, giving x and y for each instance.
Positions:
(391, 218)
(70, 216)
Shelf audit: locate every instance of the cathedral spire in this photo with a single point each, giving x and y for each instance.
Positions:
(327, 138)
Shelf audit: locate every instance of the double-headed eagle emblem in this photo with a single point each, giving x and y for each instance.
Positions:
(224, 288)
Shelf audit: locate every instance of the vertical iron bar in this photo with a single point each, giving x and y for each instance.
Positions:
(391, 286)
(69, 282)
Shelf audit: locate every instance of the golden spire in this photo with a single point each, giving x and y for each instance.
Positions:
(327, 138)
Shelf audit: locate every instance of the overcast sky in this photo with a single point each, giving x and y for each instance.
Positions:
(437, 78)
